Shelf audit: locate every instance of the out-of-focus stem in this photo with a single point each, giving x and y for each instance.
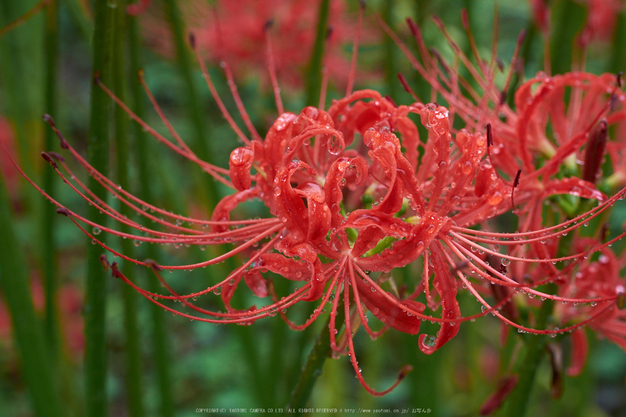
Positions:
(313, 367)
(98, 150)
(314, 71)
(568, 19)
(391, 53)
(529, 362)
(134, 391)
(193, 103)
(26, 327)
(48, 216)
(159, 339)
(310, 371)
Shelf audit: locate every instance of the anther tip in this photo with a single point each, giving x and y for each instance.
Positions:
(49, 159)
(150, 263)
(406, 369)
(96, 77)
(268, 24)
(465, 19)
(516, 182)
(412, 26)
(63, 211)
(48, 119)
(192, 40)
(521, 36)
(105, 262)
(503, 96)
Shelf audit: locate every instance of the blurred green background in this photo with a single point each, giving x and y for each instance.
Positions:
(160, 365)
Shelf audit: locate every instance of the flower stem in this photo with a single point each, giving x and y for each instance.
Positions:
(134, 390)
(391, 52)
(528, 364)
(314, 71)
(310, 371)
(159, 339)
(312, 367)
(568, 19)
(193, 102)
(48, 216)
(96, 297)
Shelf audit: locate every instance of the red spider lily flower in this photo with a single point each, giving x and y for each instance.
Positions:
(557, 124)
(601, 19)
(354, 192)
(138, 8)
(232, 32)
(595, 278)
(541, 14)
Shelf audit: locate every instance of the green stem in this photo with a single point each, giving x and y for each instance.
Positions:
(618, 63)
(95, 305)
(391, 53)
(314, 71)
(26, 327)
(310, 371)
(193, 102)
(313, 367)
(568, 18)
(160, 337)
(49, 217)
(134, 390)
(529, 363)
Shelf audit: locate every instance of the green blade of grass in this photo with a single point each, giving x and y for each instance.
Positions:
(134, 386)
(98, 148)
(314, 70)
(159, 336)
(48, 217)
(26, 327)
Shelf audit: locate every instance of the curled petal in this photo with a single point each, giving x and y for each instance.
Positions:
(335, 181)
(240, 163)
(286, 267)
(228, 204)
(505, 386)
(256, 283)
(445, 285)
(319, 215)
(275, 142)
(317, 280)
(410, 139)
(574, 186)
(580, 349)
(288, 206)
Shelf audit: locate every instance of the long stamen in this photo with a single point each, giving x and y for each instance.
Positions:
(216, 97)
(355, 49)
(272, 68)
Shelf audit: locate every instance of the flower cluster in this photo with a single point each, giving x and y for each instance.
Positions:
(231, 32)
(355, 191)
